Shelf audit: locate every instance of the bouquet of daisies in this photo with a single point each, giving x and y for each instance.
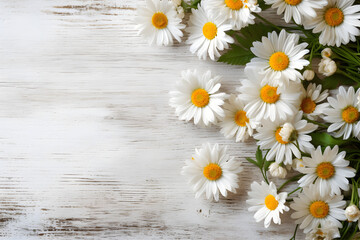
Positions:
(300, 101)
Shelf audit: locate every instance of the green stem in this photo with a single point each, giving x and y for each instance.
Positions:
(347, 75)
(293, 237)
(315, 122)
(294, 191)
(294, 178)
(268, 22)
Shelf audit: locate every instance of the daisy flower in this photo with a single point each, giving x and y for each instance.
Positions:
(328, 171)
(297, 9)
(344, 114)
(337, 22)
(283, 147)
(279, 57)
(158, 22)
(237, 11)
(207, 33)
(196, 97)
(267, 203)
(212, 171)
(236, 123)
(267, 100)
(311, 209)
(310, 104)
(326, 231)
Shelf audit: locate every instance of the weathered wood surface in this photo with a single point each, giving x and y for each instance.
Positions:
(89, 148)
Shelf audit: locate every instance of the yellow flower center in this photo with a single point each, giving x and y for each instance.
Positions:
(209, 30)
(278, 137)
(234, 4)
(350, 114)
(270, 202)
(241, 118)
(308, 105)
(212, 172)
(159, 20)
(325, 170)
(268, 94)
(293, 2)
(319, 209)
(200, 98)
(279, 61)
(334, 17)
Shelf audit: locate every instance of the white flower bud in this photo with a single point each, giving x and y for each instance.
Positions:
(309, 75)
(180, 12)
(352, 213)
(326, 53)
(277, 171)
(327, 67)
(286, 131)
(176, 2)
(298, 164)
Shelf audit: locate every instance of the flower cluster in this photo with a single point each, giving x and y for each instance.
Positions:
(300, 101)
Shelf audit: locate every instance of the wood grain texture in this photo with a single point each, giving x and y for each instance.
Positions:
(89, 147)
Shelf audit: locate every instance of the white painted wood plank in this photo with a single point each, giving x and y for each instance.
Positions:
(89, 148)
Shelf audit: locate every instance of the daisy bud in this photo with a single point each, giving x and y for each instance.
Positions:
(286, 132)
(180, 12)
(297, 164)
(176, 2)
(352, 213)
(277, 171)
(309, 75)
(326, 53)
(327, 67)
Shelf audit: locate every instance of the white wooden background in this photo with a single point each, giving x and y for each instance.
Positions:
(89, 148)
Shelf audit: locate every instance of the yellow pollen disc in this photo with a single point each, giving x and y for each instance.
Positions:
(350, 114)
(270, 202)
(308, 105)
(241, 118)
(268, 94)
(212, 172)
(325, 170)
(319, 209)
(234, 4)
(209, 30)
(293, 2)
(159, 20)
(334, 17)
(200, 98)
(278, 137)
(279, 61)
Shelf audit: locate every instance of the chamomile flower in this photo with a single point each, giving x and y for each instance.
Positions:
(197, 97)
(237, 11)
(344, 113)
(337, 22)
(267, 203)
(207, 33)
(267, 100)
(280, 150)
(297, 9)
(236, 123)
(312, 210)
(328, 171)
(212, 171)
(326, 231)
(311, 103)
(279, 57)
(158, 22)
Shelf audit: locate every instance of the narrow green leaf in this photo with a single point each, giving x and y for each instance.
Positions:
(267, 164)
(259, 157)
(252, 161)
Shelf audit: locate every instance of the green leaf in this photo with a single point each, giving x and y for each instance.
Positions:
(252, 161)
(253, 33)
(259, 157)
(236, 56)
(324, 139)
(334, 81)
(267, 164)
(263, 5)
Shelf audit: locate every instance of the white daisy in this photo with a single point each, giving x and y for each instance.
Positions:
(197, 97)
(236, 122)
(267, 100)
(267, 203)
(344, 113)
(280, 150)
(212, 171)
(279, 57)
(297, 9)
(311, 103)
(237, 11)
(158, 22)
(328, 171)
(207, 33)
(311, 209)
(337, 22)
(326, 231)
